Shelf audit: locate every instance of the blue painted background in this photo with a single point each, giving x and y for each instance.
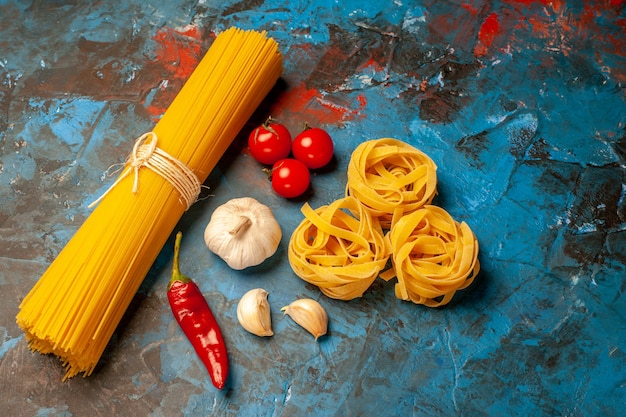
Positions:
(520, 103)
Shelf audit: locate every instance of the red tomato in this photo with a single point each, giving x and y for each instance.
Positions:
(314, 147)
(269, 142)
(290, 178)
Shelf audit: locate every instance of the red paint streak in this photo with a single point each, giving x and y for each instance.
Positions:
(593, 23)
(308, 104)
(619, 43)
(555, 5)
(375, 65)
(362, 101)
(529, 2)
(540, 27)
(298, 99)
(487, 33)
(159, 104)
(552, 25)
(179, 50)
(473, 11)
(178, 54)
(588, 16)
(489, 29)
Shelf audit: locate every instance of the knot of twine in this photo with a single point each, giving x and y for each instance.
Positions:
(147, 154)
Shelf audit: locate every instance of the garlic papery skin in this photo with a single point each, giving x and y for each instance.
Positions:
(243, 232)
(253, 312)
(309, 314)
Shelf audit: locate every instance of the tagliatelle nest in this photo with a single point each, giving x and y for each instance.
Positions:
(390, 188)
(391, 178)
(433, 256)
(340, 248)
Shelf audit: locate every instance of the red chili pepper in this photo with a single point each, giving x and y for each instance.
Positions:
(197, 321)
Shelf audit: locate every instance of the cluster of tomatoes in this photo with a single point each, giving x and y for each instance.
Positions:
(291, 161)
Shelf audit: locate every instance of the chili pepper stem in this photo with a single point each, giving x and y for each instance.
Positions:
(176, 275)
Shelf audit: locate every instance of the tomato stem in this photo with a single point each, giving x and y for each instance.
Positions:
(268, 125)
(269, 121)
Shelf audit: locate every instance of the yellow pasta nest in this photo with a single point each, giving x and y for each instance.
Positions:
(391, 178)
(340, 248)
(390, 188)
(433, 256)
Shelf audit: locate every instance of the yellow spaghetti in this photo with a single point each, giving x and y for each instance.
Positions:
(74, 308)
(337, 251)
(433, 256)
(391, 178)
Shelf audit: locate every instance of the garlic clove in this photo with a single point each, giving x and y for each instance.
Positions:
(309, 314)
(243, 232)
(253, 312)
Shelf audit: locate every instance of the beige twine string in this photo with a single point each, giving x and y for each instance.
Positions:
(147, 154)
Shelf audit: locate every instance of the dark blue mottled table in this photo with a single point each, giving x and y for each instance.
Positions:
(520, 103)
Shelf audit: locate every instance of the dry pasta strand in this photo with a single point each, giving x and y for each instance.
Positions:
(74, 308)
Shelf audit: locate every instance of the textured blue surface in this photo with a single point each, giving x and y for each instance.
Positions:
(520, 103)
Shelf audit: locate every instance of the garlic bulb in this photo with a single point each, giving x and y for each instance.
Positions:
(243, 232)
(253, 312)
(309, 314)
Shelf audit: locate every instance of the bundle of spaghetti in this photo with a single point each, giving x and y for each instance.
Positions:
(73, 309)
(433, 256)
(391, 178)
(340, 248)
